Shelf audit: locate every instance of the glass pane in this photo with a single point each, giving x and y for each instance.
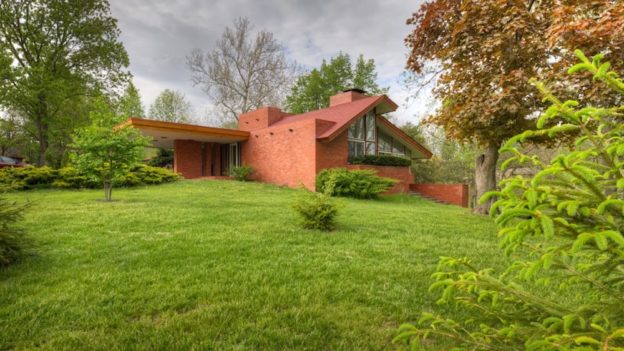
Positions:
(359, 149)
(397, 148)
(385, 143)
(356, 131)
(370, 126)
(370, 149)
(408, 153)
(351, 149)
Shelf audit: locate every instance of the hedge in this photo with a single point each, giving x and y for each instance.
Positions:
(382, 160)
(45, 177)
(361, 183)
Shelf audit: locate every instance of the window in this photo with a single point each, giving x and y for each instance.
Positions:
(362, 136)
(390, 146)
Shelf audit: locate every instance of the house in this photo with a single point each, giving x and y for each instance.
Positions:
(290, 149)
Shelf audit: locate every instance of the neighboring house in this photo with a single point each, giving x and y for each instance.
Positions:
(6, 162)
(287, 149)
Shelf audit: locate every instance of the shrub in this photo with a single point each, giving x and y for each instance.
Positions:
(241, 173)
(164, 158)
(318, 211)
(382, 160)
(564, 228)
(360, 184)
(12, 241)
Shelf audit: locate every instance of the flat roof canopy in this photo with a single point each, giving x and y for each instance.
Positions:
(164, 133)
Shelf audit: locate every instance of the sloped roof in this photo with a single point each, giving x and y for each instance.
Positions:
(342, 115)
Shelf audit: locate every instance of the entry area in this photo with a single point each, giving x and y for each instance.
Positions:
(198, 151)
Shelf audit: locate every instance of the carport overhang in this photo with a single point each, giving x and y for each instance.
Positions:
(164, 134)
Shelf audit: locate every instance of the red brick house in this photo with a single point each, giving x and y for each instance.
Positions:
(288, 149)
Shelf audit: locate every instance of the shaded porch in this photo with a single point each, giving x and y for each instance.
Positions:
(198, 151)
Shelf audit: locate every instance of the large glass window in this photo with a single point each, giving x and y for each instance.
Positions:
(390, 146)
(362, 136)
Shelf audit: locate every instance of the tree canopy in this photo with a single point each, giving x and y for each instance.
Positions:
(53, 53)
(313, 89)
(485, 52)
(171, 106)
(130, 105)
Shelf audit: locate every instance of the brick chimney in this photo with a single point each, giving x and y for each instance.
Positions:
(260, 118)
(348, 95)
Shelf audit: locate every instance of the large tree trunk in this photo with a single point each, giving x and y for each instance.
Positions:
(485, 177)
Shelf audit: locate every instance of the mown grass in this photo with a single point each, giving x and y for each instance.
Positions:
(224, 265)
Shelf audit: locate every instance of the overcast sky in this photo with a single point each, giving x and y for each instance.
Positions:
(158, 34)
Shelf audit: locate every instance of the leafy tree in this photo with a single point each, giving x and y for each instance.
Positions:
(486, 51)
(130, 104)
(105, 150)
(171, 106)
(312, 90)
(490, 48)
(51, 53)
(565, 229)
(243, 72)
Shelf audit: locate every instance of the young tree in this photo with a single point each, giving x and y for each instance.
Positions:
(53, 51)
(242, 72)
(105, 150)
(130, 105)
(564, 230)
(171, 106)
(312, 90)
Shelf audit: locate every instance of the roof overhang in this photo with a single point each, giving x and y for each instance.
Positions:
(415, 147)
(164, 133)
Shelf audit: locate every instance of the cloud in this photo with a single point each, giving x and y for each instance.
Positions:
(158, 34)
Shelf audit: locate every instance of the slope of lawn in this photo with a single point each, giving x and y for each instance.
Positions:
(223, 265)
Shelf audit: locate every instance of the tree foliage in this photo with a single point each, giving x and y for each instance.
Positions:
(243, 72)
(12, 237)
(313, 89)
(564, 227)
(486, 51)
(52, 54)
(130, 105)
(105, 151)
(171, 106)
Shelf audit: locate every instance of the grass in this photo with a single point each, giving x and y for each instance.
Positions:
(224, 265)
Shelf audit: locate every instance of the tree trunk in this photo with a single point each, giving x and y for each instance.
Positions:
(42, 130)
(485, 177)
(108, 191)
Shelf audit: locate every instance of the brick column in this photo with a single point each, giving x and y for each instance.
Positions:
(187, 158)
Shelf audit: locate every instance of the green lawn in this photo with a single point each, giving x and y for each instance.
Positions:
(223, 265)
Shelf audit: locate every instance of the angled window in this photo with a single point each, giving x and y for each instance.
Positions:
(362, 136)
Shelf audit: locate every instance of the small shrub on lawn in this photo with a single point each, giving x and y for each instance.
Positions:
(382, 160)
(317, 211)
(12, 241)
(241, 173)
(360, 183)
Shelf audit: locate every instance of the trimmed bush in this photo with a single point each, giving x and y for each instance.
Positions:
(12, 241)
(318, 211)
(382, 160)
(360, 184)
(241, 173)
(45, 177)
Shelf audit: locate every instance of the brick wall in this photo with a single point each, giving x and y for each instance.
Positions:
(283, 154)
(456, 194)
(187, 158)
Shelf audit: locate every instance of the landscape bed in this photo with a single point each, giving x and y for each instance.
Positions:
(225, 265)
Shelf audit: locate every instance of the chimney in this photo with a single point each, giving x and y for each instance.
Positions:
(346, 96)
(260, 118)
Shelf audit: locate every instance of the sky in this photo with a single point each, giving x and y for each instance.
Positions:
(159, 34)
